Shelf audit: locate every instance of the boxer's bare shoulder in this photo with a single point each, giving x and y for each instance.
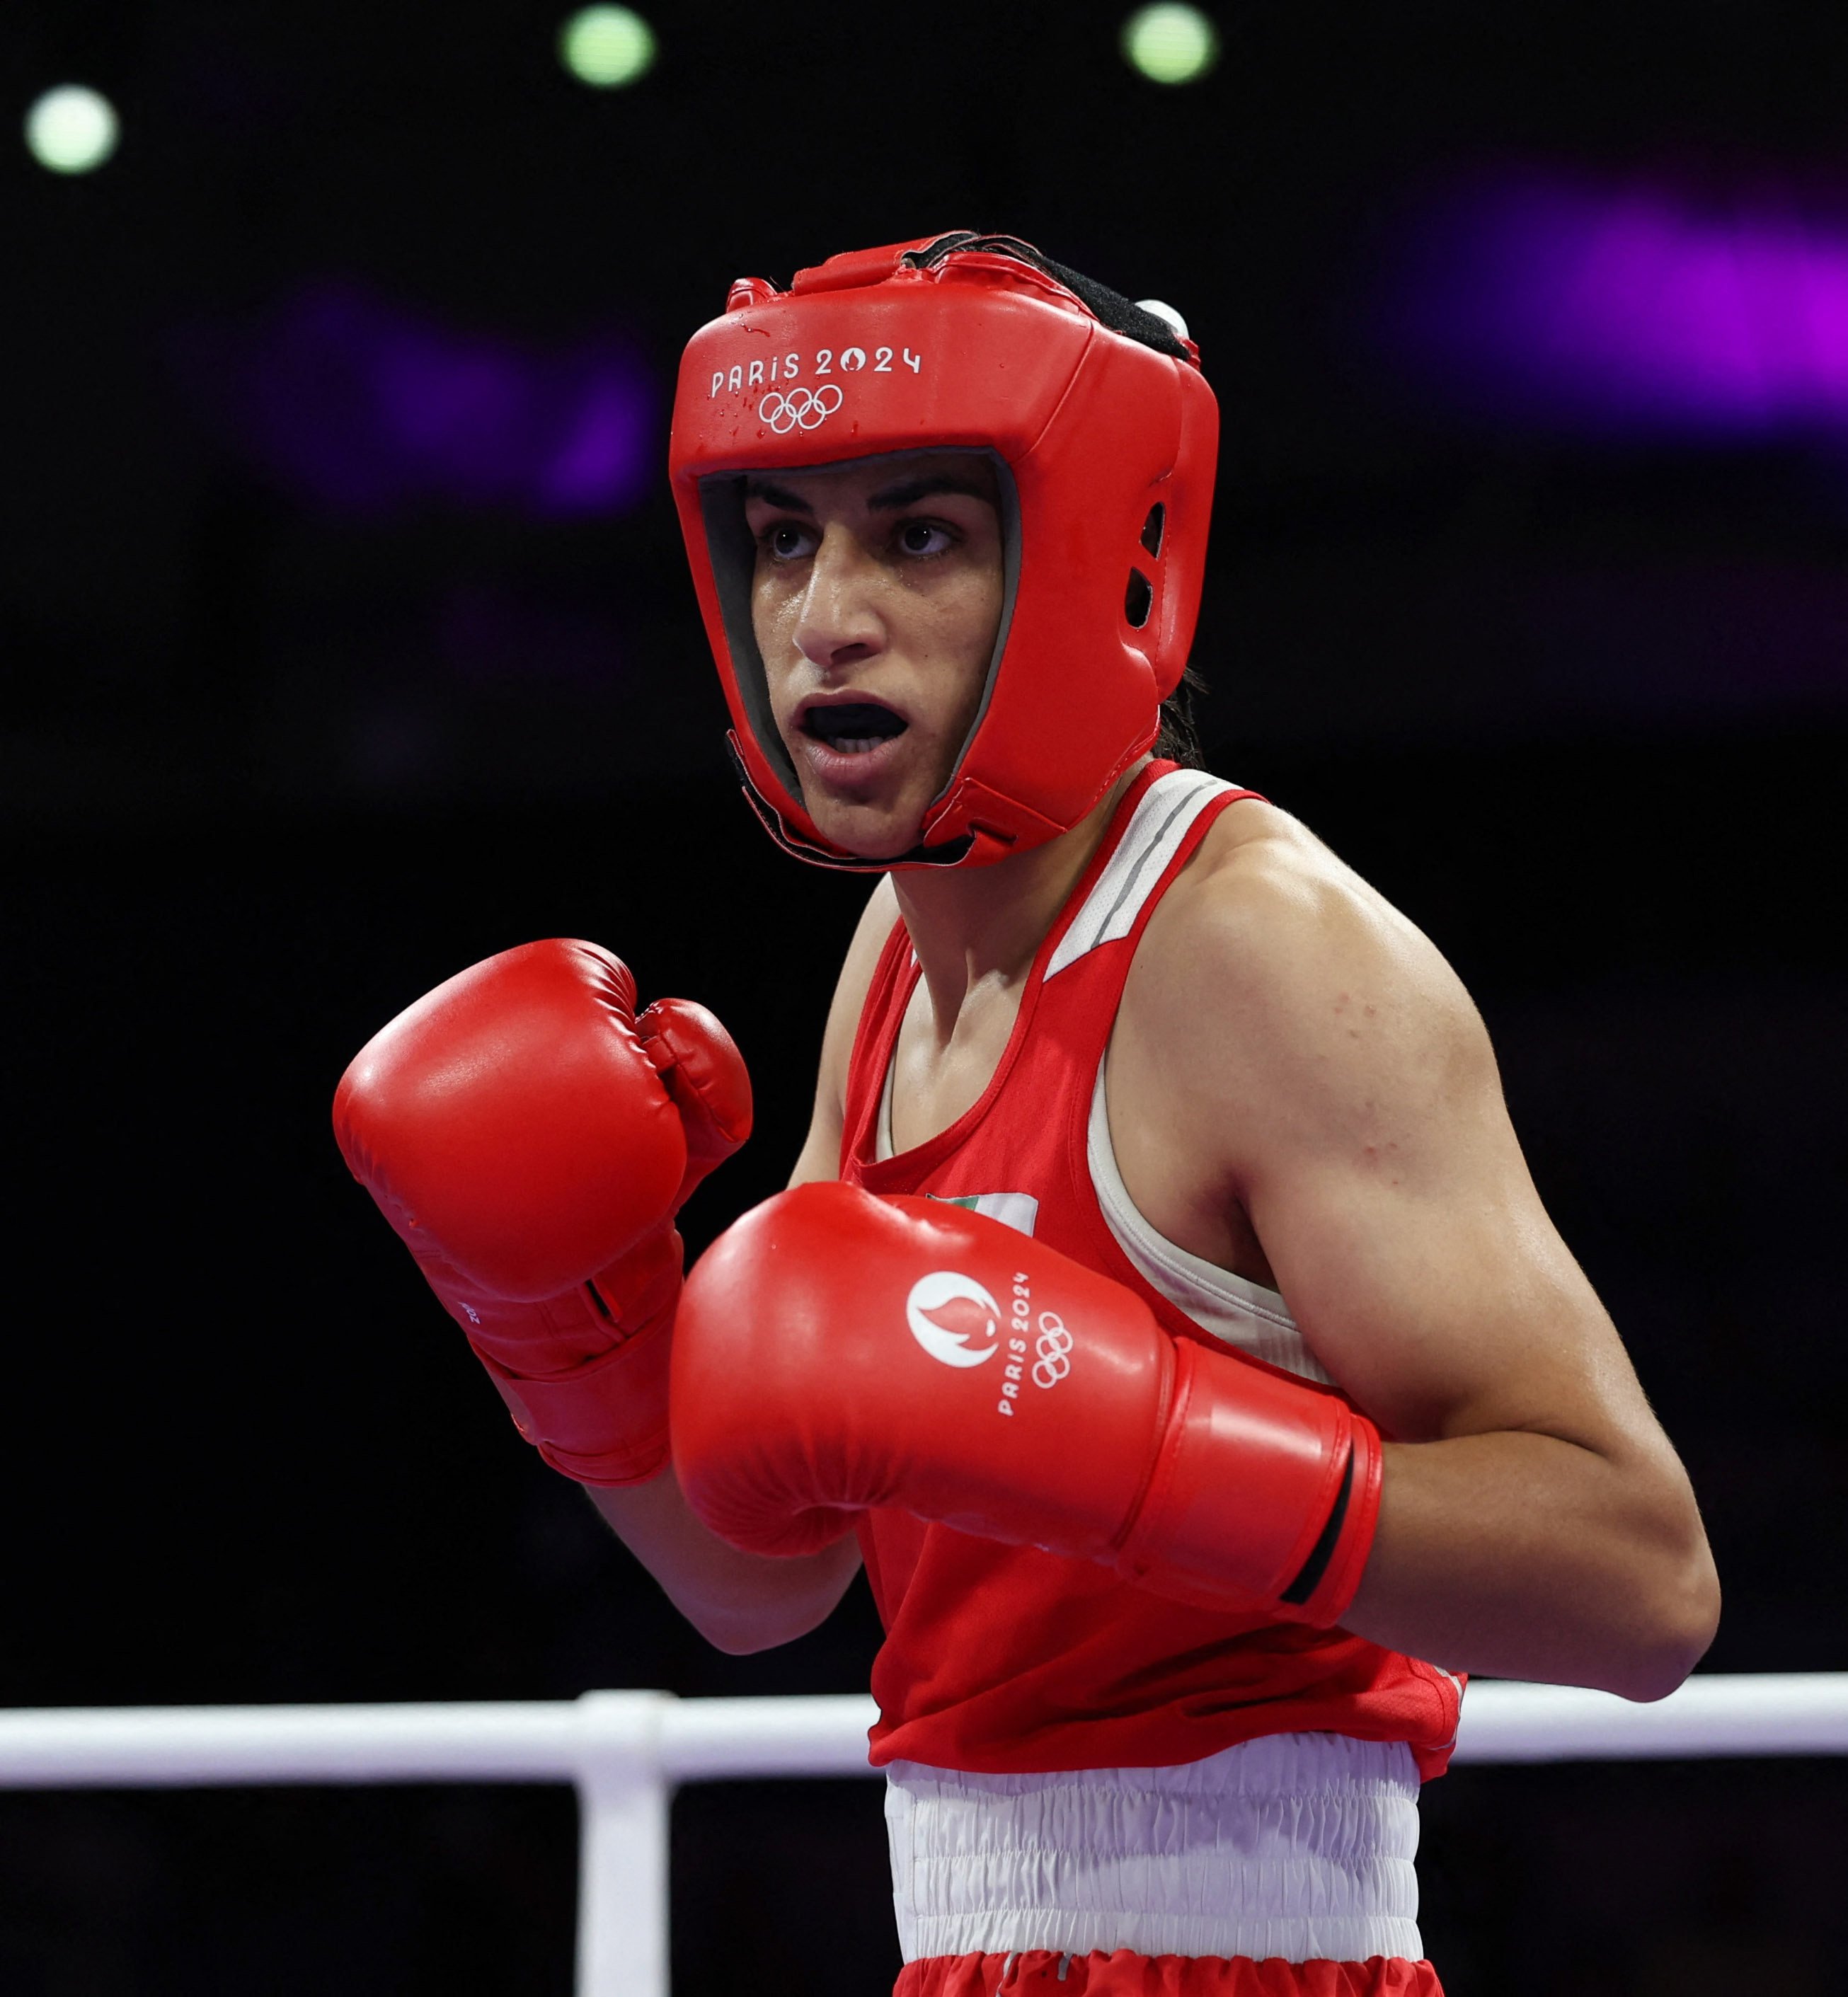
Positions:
(1280, 1007)
(1296, 1069)
(1273, 966)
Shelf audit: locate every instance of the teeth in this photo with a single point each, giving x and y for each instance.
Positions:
(831, 727)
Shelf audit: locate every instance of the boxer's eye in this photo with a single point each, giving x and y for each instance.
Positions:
(925, 537)
(787, 540)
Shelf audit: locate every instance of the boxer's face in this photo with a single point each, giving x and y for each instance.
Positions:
(876, 600)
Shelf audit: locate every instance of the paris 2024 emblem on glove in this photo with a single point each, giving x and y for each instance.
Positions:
(837, 1351)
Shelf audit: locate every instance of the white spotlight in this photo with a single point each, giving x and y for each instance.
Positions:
(1170, 43)
(607, 46)
(72, 129)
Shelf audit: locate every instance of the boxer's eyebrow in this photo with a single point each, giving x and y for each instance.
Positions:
(776, 495)
(891, 499)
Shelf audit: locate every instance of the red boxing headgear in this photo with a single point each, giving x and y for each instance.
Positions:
(1106, 436)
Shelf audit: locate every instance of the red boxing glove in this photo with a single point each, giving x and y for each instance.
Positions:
(837, 1351)
(531, 1140)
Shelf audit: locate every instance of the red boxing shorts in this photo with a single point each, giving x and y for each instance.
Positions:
(1045, 1974)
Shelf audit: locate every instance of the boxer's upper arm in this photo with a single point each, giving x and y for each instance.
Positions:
(1342, 1079)
(821, 1155)
(1321, 1067)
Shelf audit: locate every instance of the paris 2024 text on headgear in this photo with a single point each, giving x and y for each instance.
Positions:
(1105, 436)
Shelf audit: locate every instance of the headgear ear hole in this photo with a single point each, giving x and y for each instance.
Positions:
(1138, 599)
(1152, 528)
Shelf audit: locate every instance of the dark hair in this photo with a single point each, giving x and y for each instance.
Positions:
(1111, 307)
(1179, 739)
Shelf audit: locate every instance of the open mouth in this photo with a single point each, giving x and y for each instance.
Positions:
(852, 727)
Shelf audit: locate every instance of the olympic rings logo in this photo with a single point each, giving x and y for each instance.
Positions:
(799, 408)
(1054, 1346)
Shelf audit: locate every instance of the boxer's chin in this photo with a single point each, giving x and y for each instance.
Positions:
(872, 806)
(869, 831)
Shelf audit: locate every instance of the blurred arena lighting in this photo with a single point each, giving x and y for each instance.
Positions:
(365, 407)
(607, 47)
(1170, 43)
(1626, 311)
(71, 130)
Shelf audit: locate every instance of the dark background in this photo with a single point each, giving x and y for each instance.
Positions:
(274, 760)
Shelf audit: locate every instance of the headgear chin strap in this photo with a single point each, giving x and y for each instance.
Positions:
(1105, 434)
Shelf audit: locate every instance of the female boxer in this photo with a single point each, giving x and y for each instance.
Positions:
(1162, 1311)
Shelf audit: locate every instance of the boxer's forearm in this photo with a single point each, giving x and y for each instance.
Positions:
(738, 1602)
(1523, 1556)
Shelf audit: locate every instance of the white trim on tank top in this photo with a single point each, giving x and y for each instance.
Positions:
(1163, 816)
(1229, 1307)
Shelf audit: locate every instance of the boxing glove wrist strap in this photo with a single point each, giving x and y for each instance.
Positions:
(1265, 1494)
(603, 1419)
(604, 1422)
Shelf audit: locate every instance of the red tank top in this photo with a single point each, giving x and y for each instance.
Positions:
(1004, 1660)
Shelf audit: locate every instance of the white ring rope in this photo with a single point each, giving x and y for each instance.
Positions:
(625, 1751)
(712, 1739)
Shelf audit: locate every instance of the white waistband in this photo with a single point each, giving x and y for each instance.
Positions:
(1297, 1845)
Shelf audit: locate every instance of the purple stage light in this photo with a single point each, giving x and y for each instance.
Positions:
(1627, 311)
(370, 408)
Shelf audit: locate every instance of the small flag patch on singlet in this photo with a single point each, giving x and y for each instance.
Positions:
(1017, 1210)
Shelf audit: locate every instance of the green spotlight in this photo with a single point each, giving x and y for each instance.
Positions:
(607, 47)
(1170, 43)
(71, 130)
